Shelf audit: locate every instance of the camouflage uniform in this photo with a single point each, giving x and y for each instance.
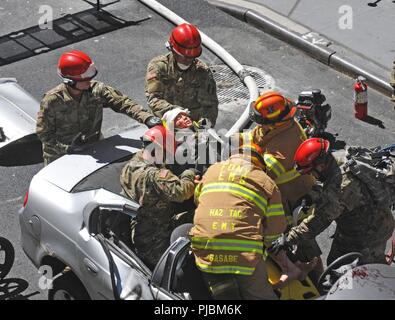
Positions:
(62, 117)
(168, 87)
(392, 82)
(157, 190)
(362, 224)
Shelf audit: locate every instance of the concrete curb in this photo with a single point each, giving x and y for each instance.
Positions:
(325, 55)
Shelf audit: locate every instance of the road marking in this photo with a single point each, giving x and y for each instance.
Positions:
(317, 39)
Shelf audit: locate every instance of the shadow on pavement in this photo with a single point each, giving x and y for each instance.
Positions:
(11, 288)
(338, 145)
(374, 121)
(69, 29)
(374, 4)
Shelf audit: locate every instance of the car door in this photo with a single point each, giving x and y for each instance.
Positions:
(19, 145)
(168, 270)
(109, 267)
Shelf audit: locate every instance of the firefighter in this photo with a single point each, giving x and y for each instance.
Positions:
(239, 210)
(147, 179)
(71, 114)
(279, 135)
(361, 211)
(180, 80)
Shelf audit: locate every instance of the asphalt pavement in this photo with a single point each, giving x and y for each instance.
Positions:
(365, 27)
(122, 55)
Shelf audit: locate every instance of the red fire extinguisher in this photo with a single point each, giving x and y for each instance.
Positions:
(361, 98)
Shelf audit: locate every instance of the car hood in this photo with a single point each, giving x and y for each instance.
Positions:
(67, 171)
(19, 144)
(367, 282)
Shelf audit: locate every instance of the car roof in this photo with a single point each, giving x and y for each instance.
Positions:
(18, 110)
(67, 171)
(19, 144)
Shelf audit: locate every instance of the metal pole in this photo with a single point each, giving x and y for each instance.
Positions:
(98, 5)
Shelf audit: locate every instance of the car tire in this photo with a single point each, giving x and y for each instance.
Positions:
(68, 287)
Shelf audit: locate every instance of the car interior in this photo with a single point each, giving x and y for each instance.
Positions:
(176, 271)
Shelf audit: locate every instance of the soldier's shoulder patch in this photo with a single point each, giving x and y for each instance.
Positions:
(163, 173)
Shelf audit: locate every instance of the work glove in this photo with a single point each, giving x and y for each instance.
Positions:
(76, 143)
(279, 244)
(194, 171)
(153, 121)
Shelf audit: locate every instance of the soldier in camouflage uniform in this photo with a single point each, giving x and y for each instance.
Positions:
(180, 80)
(363, 224)
(157, 190)
(71, 114)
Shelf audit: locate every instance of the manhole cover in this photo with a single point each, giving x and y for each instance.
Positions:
(229, 87)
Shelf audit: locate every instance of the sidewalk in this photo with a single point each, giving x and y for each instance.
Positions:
(368, 48)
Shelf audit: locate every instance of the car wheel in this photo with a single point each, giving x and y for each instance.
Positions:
(67, 287)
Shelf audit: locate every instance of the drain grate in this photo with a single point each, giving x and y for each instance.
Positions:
(229, 87)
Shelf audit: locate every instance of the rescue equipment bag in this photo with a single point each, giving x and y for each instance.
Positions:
(375, 167)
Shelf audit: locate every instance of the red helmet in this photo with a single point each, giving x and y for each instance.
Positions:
(270, 108)
(185, 40)
(161, 137)
(310, 153)
(77, 66)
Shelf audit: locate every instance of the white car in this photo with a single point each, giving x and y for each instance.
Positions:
(74, 216)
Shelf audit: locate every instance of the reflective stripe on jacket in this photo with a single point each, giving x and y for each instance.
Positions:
(239, 210)
(280, 144)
